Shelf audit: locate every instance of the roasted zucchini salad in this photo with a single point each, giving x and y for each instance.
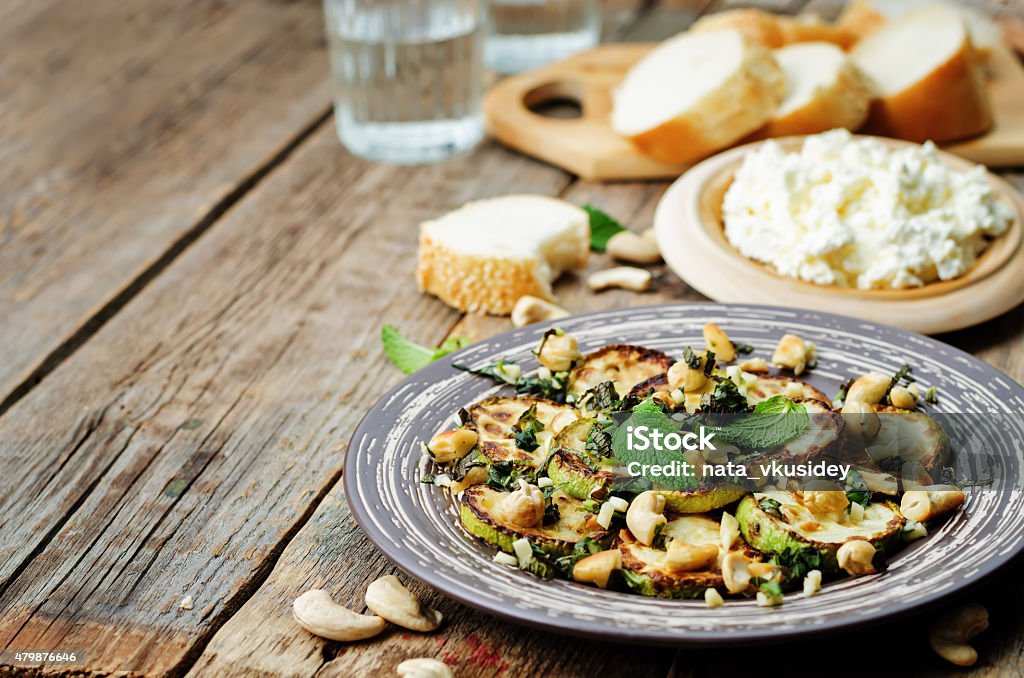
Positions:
(540, 474)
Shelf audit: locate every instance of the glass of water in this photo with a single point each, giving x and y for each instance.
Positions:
(525, 34)
(408, 77)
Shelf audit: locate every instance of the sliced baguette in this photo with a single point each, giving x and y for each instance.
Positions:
(862, 17)
(697, 93)
(824, 90)
(773, 30)
(926, 78)
(488, 253)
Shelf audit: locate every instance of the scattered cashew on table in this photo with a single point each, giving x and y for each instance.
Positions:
(389, 601)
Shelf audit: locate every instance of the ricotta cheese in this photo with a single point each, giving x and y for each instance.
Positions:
(852, 213)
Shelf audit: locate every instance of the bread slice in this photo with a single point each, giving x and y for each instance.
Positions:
(926, 78)
(697, 93)
(824, 90)
(773, 30)
(488, 253)
(861, 17)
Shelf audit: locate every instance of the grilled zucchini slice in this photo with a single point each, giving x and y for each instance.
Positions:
(645, 568)
(479, 516)
(622, 364)
(585, 475)
(910, 436)
(824, 435)
(494, 419)
(794, 529)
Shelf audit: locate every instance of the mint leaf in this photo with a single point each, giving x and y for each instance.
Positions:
(602, 227)
(774, 422)
(649, 414)
(408, 356)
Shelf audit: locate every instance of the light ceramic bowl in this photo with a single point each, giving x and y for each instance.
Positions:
(690, 232)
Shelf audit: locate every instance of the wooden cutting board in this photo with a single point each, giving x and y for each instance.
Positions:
(587, 146)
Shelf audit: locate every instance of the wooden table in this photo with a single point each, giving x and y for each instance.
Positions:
(193, 277)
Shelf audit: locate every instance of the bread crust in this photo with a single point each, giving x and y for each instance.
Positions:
(474, 283)
(742, 104)
(775, 31)
(949, 103)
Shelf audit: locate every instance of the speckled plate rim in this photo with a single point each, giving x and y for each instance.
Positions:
(717, 631)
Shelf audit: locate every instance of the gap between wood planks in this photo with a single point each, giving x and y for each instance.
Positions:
(95, 322)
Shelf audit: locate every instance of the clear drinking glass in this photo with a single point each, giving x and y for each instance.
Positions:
(525, 34)
(408, 77)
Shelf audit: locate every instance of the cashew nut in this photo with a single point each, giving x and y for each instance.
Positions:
(824, 502)
(650, 235)
(855, 557)
(728, 531)
(927, 503)
(452, 445)
(392, 601)
(524, 507)
(644, 517)
(317, 613)
(718, 341)
(628, 246)
(736, 572)
(869, 388)
(623, 277)
(902, 398)
(597, 568)
(812, 583)
(559, 352)
(424, 667)
(683, 557)
(474, 476)
(681, 375)
(792, 352)
(948, 635)
(861, 419)
(754, 365)
(529, 309)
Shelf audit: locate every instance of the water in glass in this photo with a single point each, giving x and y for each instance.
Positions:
(525, 34)
(408, 77)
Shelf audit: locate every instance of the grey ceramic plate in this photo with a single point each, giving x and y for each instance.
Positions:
(416, 525)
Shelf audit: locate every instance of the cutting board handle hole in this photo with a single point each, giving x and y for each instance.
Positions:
(560, 100)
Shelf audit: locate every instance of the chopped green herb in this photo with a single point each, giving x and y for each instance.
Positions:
(799, 561)
(583, 548)
(602, 397)
(408, 356)
(526, 429)
(429, 480)
(859, 492)
(691, 359)
(843, 390)
(771, 507)
(726, 398)
(743, 349)
(591, 505)
(599, 442)
(709, 363)
(498, 372)
(771, 588)
(602, 227)
(931, 395)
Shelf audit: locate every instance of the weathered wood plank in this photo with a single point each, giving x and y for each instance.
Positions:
(123, 127)
(176, 453)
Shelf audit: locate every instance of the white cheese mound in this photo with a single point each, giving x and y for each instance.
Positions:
(853, 213)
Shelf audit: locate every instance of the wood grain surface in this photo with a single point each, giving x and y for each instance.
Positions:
(189, 441)
(125, 130)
